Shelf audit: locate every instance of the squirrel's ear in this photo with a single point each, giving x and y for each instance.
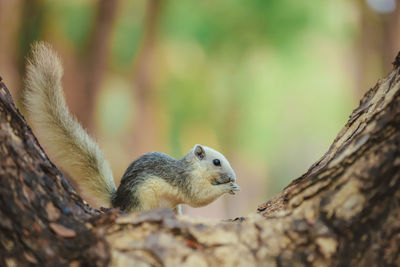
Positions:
(199, 151)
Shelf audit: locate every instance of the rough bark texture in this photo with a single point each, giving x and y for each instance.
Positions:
(344, 211)
(42, 218)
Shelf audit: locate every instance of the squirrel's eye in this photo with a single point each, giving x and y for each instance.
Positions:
(217, 162)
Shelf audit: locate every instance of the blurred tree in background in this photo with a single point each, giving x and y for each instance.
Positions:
(268, 83)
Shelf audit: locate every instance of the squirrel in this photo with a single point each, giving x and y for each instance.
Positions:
(151, 181)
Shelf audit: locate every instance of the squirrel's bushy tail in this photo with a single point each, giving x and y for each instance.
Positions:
(65, 138)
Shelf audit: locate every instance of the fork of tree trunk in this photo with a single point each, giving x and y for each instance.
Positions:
(344, 211)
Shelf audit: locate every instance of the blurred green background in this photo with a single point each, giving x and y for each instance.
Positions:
(268, 83)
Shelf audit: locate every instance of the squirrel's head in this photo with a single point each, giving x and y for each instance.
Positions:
(212, 165)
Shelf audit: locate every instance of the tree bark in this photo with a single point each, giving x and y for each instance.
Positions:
(344, 211)
(143, 79)
(97, 53)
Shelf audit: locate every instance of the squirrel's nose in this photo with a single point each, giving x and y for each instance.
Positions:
(233, 179)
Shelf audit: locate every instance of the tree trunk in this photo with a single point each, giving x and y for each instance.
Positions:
(344, 211)
(143, 80)
(97, 52)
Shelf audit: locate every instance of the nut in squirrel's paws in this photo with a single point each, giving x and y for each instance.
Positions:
(234, 187)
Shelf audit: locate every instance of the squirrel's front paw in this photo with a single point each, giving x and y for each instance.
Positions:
(233, 188)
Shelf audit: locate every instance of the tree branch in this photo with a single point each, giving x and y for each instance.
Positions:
(343, 211)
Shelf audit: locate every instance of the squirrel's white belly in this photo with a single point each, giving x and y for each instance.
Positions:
(157, 193)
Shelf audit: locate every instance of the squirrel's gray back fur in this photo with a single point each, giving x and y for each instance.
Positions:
(156, 164)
